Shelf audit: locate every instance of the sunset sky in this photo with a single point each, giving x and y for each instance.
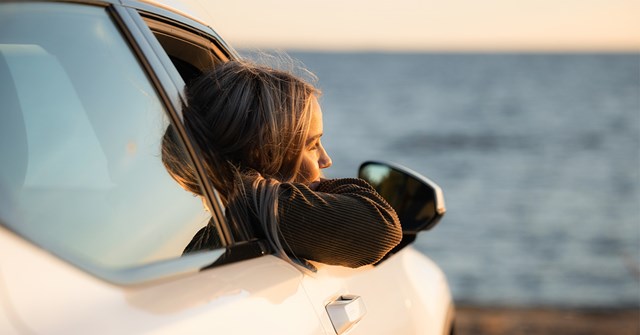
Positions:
(413, 25)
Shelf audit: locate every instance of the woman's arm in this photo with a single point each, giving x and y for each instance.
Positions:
(342, 222)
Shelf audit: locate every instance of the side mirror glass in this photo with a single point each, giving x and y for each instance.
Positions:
(418, 201)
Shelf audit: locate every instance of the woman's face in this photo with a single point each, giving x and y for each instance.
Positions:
(314, 157)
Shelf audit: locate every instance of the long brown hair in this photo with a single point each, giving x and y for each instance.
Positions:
(250, 123)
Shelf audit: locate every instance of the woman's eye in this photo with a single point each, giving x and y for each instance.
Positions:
(314, 146)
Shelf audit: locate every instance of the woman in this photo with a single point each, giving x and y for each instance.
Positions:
(259, 132)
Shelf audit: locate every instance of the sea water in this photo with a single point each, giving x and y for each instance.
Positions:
(538, 156)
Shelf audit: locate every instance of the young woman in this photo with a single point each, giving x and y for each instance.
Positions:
(259, 132)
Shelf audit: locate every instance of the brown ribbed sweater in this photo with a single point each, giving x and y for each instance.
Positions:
(342, 222)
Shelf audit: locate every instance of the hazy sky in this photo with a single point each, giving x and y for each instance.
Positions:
(429, 24)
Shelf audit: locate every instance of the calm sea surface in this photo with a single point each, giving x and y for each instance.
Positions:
(538, 156)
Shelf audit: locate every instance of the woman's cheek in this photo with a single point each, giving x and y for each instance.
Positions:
(309, 171)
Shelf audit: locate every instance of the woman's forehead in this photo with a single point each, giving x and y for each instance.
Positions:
(315, 126)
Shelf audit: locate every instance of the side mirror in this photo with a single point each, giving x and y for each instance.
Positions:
(418, 201)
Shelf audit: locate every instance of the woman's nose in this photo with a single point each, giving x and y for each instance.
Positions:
(324, 161)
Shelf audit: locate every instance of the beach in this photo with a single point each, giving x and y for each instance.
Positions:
(483, 320)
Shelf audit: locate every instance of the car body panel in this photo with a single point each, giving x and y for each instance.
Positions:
(408, 282)
(253, 296)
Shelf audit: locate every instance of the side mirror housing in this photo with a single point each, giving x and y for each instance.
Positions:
(418, 201)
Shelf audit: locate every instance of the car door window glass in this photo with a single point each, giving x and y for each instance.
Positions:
(80, 135)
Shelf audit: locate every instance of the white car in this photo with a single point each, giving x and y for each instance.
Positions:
(92, 227)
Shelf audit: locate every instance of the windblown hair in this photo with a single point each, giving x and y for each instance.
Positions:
(250, 123)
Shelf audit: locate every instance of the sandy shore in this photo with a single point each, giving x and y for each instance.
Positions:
(477, 320)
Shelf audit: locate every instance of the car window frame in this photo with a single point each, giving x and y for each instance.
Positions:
(239, 245)
(202, 48)
(154, 60)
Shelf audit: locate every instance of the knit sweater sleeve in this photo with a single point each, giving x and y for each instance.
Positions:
(342, 222)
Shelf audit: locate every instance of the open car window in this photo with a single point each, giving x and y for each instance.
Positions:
(192, 53)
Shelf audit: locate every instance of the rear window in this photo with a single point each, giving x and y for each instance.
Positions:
(80, 133)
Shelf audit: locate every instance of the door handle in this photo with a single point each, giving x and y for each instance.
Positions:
(345, 312)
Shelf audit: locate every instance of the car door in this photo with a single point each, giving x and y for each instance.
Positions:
(92, 227)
